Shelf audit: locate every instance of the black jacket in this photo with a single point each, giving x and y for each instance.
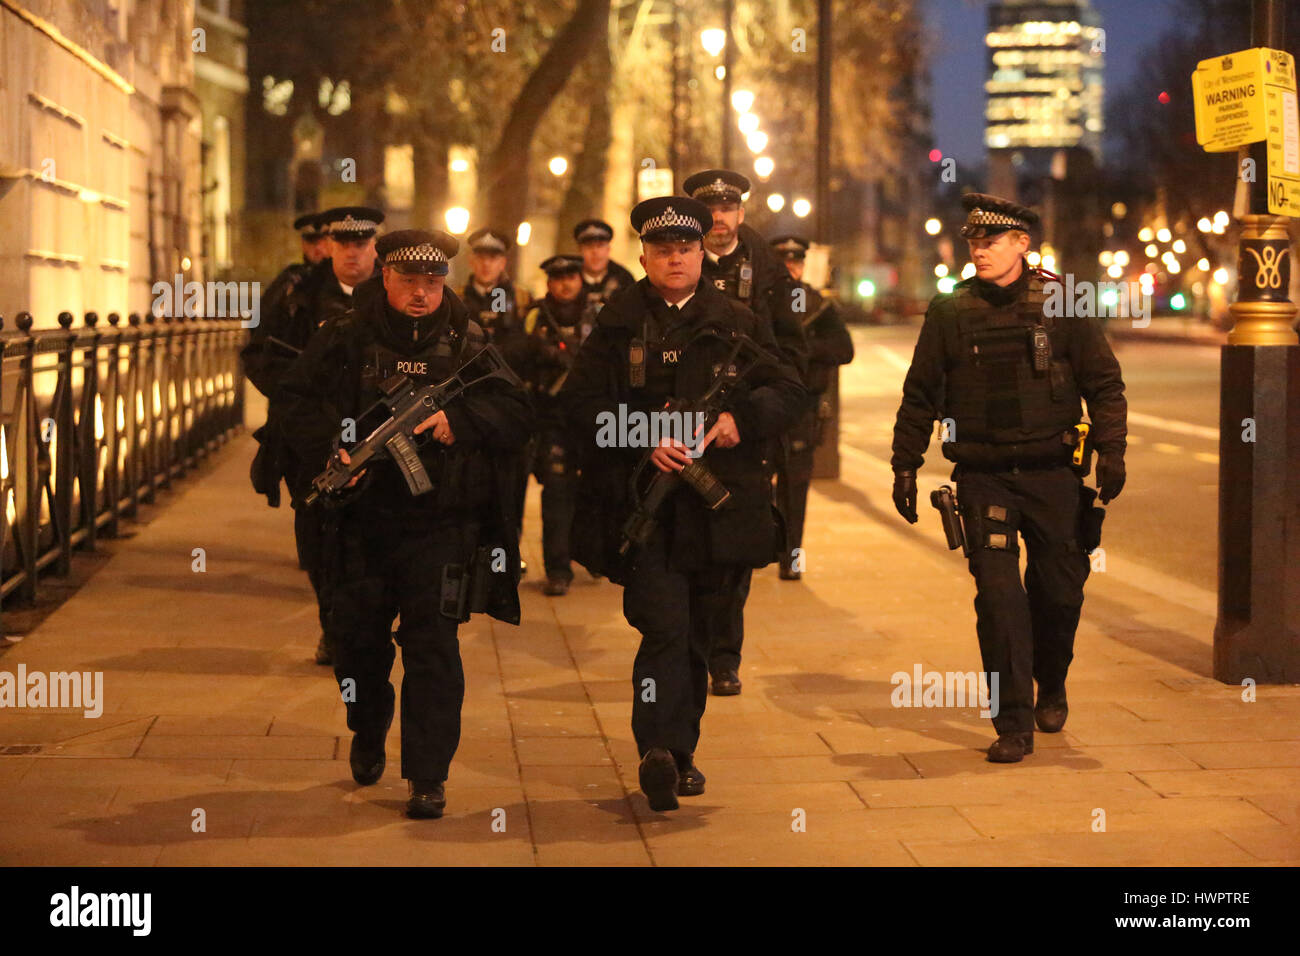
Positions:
(745, 530)
(1079, 342)
(335, 380)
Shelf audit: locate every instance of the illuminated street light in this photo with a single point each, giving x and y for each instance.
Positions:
(1115, 271)
(1177, 302)
(523, 233)
(932, 226)
(742, 101)
(756, 141)
(457, 220)
(1174, 267)
(764, 166)
(1121, 257)
(1219, 228)
(801, 207)
(1033, 258)
(776, 202)
(1203, 264)
(1179, 246)
(866, 288)
(720, 71)
(1151, 250)
(459, 165)
(1119, 210)
(1221, 276)
(1106, 258)
(940, 270)
(1204, 224)
(946, 284)
(1221, 218)
(1049, 263)
(1145, 234)
(968, 270)
(557, 165)
(714, 40)
(748, 123)
(1164, 235)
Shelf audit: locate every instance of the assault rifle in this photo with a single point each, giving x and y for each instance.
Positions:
(406, 405)
(696, 475)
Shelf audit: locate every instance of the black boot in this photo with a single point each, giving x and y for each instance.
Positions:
(659, 779)
(367, 759)
(726, 683)
(690, 782)
(1011, 748)
(1051, 710)
(428, 800)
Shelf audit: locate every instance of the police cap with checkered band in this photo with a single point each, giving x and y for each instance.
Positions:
(417, 251)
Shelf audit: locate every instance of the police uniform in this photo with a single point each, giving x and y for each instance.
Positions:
(641, 353)
(496, 309)
(827, 345)
(291, 315)
(554, 332)
(393, 553)
(747, 274)
(1008, 378)
(597, 289)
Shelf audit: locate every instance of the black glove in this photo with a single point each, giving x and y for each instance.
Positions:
(1110, 476)
(905, 494)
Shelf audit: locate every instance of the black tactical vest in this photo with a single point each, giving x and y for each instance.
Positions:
(733, 274)
(994, 392)
(495, 311)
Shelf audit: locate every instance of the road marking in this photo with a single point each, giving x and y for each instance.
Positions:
(1167, 448)
(1171, 425)
(1207, 456)
(894, 359)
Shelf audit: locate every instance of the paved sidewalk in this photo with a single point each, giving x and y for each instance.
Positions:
(212, 704)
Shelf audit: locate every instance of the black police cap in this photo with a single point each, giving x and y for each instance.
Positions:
(716, 185)
(309, 224)
(590, 230)
(351, 222)
(562, 264)
(488, 240)
(417, 251)
(990, 215)
(790, 247)
(671, 217)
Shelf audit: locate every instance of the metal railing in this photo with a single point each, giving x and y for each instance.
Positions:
(95, 420)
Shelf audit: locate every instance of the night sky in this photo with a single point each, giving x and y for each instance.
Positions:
(958, 62)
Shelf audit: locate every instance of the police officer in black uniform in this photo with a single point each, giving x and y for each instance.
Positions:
(291, 315)
(739, 263)
(556, 326)
(827, 346)
(489, 294)
(1008, 377)
(392, 551)
(315, 246)
(646, 349)
(601, 276)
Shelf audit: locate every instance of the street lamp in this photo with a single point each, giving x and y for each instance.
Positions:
(742, 101)
(764, 166)
(457, 220)
(714, 40)
(932, 226)
(801, 207)
(748, 123)
(1163, 235)
(557, 165)
(523, 233)
(776, 202)
(756, 141)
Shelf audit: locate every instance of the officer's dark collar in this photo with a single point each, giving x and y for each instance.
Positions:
(564, 313)
(995, 294)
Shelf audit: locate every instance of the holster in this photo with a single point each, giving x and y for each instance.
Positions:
(465, 586)
(1090, 519)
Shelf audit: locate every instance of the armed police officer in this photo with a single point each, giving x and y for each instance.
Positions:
(556, 327)
(739, 263)
(670, 338)
(1005, 377)
(601, 277)
(314, 237)
(489, 295)
(291, 315)
(395, 553)
(827, 346)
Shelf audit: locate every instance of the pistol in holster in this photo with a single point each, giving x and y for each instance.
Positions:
(465, 587)
(946, 503)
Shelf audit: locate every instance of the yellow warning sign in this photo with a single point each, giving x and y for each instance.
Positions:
(1229, 95)
(1282, 134)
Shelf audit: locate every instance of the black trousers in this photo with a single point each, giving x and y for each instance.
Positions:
(727, 622)
(1026, 630)
(794, 468)
(309, 536)
(383, 572)
(557, 467)
(674, 611)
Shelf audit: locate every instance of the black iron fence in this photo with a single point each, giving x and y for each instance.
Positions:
(95, 420)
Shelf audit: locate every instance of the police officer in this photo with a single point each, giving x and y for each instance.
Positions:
(739, 263)
(1006, 377)
(601, 277)
(827, 345)
(648, 347)
(394, 553)
(556, 327)
(489, 294)
(290, 317)
(315, 247)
